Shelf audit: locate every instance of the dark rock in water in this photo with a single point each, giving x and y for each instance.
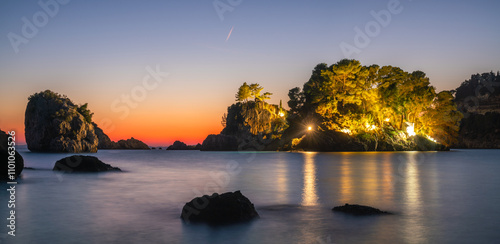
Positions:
(178, 145)
(355, 209)
(227, 208)
(106, 143)
(132, 143)
(4, 158)
(79, 163)
(197, 147)
(220, 143)
(53, 123)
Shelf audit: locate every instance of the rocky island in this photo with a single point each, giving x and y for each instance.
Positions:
(343, 107)
(53, 123)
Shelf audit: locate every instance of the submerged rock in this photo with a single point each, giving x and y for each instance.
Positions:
(79, 163)
(227, 208)
(355, 209)
(4, 159)
(53, 123)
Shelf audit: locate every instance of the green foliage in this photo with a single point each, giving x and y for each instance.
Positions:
(254, 117)
(373, 102)
(245, 92)
(65, 108)
(83, 110)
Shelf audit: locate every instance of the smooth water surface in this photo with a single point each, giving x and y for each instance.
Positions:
(437, 197)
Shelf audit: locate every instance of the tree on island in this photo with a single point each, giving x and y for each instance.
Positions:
(375, 102)
(253, 115)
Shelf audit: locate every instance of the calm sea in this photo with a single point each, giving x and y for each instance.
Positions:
(437, 197)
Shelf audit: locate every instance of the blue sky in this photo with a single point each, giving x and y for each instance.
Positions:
(93, 51)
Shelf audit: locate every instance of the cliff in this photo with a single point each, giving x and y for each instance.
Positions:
(53, 123)
(479, 100)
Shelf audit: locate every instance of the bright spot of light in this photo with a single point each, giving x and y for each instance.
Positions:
(410, 130)
(345, 130)
(281, 114)
(309, 128)
(370, 127)
(387, 120)
(432, 139)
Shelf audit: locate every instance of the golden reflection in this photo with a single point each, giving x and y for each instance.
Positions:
(346, 181)
(414, 228)
(309, 195)
(388, 177)
(282, 181)
(371, 180)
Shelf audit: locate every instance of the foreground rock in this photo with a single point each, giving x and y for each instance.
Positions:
(178, 145)
(4, 159)
(227, 208)
(220, 143)
(355, 209)
(53, 123)
(79, 163)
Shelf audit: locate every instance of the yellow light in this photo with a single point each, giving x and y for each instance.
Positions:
(370, 127)
(432, 139)
(281, 114)
(309, 128)
(387, 120)
(345, 130)
(410, 130)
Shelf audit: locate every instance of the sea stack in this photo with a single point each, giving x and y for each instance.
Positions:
(53, 123)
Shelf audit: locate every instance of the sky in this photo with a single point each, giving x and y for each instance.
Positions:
(161, 71)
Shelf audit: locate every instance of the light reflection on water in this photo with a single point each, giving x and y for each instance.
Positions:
(437, 197)
(309, 197)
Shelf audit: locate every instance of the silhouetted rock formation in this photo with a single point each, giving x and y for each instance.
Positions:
(53, 123)
(479, 131)
(106, 143)
(178, 145)
(78, 163)
(220, 143)
(355, 209)
(227, 208)
(132, 143)
(4, 158)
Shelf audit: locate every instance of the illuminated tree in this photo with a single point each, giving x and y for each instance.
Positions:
(244, 93)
